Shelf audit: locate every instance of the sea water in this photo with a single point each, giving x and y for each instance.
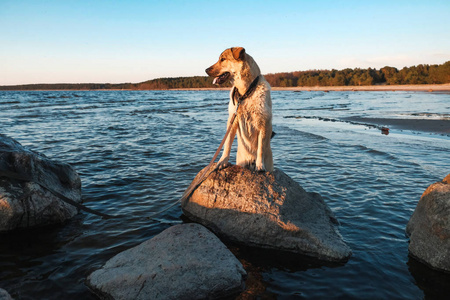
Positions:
(137, 151)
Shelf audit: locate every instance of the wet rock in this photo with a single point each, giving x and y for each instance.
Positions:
(183, 262)
(267, 210)
(4, 295)
(429, 227)
(25, 179)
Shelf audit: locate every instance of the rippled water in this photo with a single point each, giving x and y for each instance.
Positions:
(136, 152)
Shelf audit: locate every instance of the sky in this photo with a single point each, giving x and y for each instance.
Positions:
(101, 41)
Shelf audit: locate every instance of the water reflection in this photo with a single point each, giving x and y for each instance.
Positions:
(433, 283)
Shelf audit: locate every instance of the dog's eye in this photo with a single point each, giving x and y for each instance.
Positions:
(222, 59)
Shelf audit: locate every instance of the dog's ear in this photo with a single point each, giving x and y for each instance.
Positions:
(238, 53)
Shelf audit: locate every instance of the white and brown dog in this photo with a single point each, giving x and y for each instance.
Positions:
(253, 123)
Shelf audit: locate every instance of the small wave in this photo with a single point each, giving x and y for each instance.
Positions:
(89, 107)
(376, 152)
(10, 102)
(215, 104)
(437, 116)
(59, 97)
(388, 157)
(148, 111)
(316, 118)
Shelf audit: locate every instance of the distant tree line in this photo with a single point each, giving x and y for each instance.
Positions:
(421, 74)
(177, 83)
(68, 86)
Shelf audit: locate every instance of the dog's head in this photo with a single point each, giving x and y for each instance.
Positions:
(229, 64)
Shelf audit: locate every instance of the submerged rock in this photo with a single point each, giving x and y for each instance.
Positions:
(429, 227)
(25, 179)
(183, 262)
(268, 210)
(4, 295)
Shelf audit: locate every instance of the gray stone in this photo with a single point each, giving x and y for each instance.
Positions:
(29, 203)
(268, 210)
(4, 295)
(429, 227)
(183, 262)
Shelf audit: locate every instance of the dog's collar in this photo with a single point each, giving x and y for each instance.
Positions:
(247, 94)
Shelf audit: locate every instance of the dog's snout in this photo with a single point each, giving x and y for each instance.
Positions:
(208, 70)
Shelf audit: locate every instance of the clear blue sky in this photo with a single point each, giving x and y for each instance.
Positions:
(133, 41)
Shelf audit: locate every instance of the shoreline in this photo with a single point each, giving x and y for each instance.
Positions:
(364, 88)
(368, 88)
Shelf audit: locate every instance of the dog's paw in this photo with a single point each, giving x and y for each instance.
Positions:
(222, 164)
(260, 168)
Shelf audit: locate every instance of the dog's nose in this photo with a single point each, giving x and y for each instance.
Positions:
(208, 70)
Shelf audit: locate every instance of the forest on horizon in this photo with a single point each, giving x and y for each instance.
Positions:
(420, 74)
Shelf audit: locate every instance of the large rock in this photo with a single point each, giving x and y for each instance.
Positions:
(267, 210)
(28, 203)
(183, 262)
(429, 227)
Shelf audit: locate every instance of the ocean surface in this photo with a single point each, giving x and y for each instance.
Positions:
(137, 151)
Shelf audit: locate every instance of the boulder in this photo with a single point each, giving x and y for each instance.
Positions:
(4, 295)
(186, 261)
(26, 178)
(429, 227)
(268, 210)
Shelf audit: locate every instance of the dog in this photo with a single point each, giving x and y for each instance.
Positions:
(253, 122)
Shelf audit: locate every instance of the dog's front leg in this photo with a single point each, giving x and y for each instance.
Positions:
(263, 139)
(223, 161)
